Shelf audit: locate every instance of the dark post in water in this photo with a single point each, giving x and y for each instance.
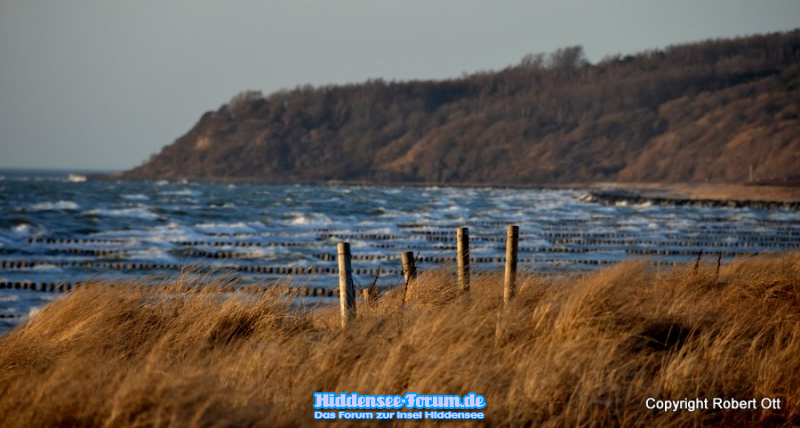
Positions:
(347, 291)
(512, 247)
(462, 257)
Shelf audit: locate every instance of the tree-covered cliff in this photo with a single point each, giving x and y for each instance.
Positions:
(718, 110)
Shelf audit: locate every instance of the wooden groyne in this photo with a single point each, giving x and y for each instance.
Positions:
(247, 272)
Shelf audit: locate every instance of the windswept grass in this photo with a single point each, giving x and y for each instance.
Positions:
(570, 351)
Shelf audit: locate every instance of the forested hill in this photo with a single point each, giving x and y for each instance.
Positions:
(709, 111)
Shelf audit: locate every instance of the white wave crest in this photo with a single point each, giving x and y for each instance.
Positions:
(238, 227)
(23, 229)
(136, 197)
(54, 206)
(310, 219)
(181, 192)
(142, 213)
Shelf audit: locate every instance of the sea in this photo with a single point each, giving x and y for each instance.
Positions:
(59, 229)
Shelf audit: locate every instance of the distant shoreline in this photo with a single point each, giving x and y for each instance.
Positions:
(770, 195)
(617, 197)
(751, 195)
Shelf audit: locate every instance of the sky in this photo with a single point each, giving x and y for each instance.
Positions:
(102, 85)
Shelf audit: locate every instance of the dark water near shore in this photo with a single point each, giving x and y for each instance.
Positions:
(55, 227)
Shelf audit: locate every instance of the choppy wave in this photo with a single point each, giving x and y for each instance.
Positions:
(310, 219)
(141, 213)
(181, 192)
(136, 197)
(223, 206)
(23, 229)
(236, 227)
(54, 206)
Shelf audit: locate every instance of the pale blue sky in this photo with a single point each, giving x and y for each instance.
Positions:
(102, 84)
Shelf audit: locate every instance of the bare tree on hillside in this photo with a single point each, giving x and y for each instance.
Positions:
(570, 57)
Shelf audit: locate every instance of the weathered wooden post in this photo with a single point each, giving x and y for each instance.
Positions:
(347, 290)
(409, 266)
(462, 258)
(512, 247)
(409, 271)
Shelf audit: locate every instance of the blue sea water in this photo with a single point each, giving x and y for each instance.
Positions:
(56, 227)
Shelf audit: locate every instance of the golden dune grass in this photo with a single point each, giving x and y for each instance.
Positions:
(569, 351)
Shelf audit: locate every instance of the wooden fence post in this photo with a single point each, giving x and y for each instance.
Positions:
(409, 266)
(409, 271)
(462, 257)
(512, 246)
(347, 290)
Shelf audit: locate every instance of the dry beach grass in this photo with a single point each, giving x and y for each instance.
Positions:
(582, 350)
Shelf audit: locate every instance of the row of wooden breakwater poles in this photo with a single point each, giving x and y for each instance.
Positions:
(347, 290)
